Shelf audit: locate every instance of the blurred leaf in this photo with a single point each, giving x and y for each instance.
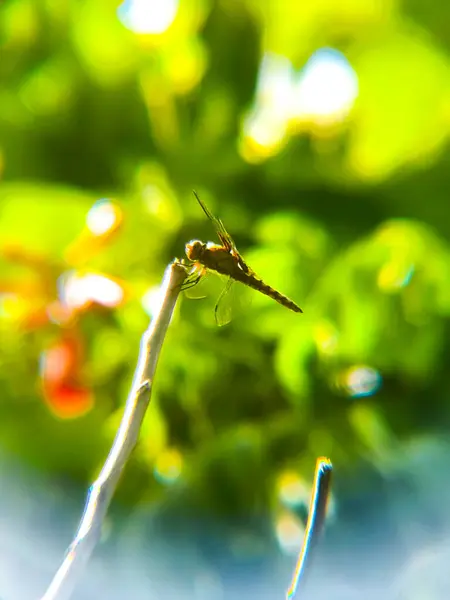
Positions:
(293, 359)
(154, 434)
(371, 429)
(401, 112)
(107, 49)
(296, 29)
(430, 17)
(41, 218)
(231, 458)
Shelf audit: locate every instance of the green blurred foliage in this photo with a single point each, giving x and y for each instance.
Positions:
(348, 215)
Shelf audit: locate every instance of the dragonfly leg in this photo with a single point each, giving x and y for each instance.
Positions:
(194, 277)
(190, 283)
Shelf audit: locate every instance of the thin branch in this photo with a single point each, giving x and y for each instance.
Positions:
(102, 490)
(314, 525)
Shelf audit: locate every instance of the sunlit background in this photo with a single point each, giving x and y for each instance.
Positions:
(319, 132)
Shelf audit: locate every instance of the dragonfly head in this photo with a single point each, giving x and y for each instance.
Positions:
(194, 249)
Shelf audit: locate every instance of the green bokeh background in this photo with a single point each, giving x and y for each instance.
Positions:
(350, 218)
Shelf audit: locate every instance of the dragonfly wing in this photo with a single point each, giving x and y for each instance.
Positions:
(223, 234)
(234, 300)
(196, 290)
(223, 310)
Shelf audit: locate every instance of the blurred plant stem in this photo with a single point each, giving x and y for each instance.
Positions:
(102, 490)
(314, 525)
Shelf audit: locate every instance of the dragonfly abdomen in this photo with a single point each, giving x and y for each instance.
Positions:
(257, 284)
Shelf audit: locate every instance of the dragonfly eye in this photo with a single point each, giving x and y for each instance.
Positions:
(195, 249)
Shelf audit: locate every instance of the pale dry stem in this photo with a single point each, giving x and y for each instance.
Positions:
(102, 490)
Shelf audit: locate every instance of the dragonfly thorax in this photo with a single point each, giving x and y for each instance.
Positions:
(195, 249)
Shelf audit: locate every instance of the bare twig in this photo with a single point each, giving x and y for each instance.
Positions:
(316, 519)
(102, 490)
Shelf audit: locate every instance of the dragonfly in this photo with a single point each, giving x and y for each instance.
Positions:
(225, 259)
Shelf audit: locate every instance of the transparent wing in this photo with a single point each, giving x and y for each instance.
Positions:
(198, 287)
(223, 234)
(223, 311)
(234, 299)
